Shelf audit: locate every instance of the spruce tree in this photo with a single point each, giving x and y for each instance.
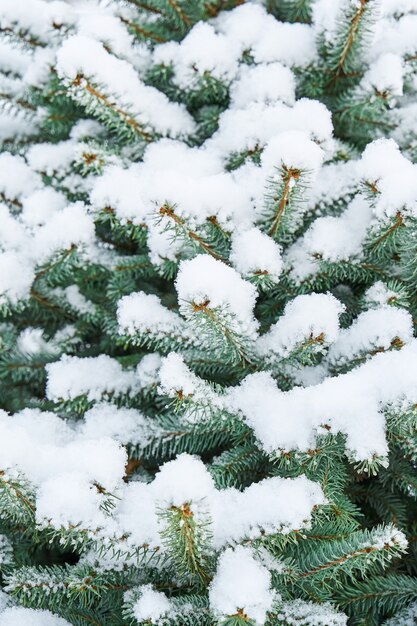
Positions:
(208, 264)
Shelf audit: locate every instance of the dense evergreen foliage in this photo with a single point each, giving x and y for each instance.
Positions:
(208, 264)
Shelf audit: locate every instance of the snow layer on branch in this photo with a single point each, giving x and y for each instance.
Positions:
(386, 74)
(293, 150)
(41, 445)
(265, 83)
(151, 605)
(406, 617)
(41, 20)
(334, 183)
(99, 23)
(273, 505)
(190, 180)
(16, 177)
(16, 277)
(62, 464)
(85, 56)
(327, 15)
(395, 36)
(67, 500)
(31, 341)
(52, 159)
(373, 330)
(147, 369)
(19, 616)
(306, 317)
(143, 313)
(379, 295)
(252, 28)
(76, 299)
(213, 284)
(72, 226)
(397, 7)
(244, 129)
(122, 424)
(290, 420)
(201, 51)
(120, 189)
(395, 177)
(177, 380)
(339, 238)
(6, 551)
(216, 48)
(260, 508)
(253, 252)
(301, 613)
(94, 377)
(41, 205)
(16, 126)
(241, 583)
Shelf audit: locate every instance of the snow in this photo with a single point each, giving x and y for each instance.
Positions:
(268, 40)
(270, 506)
(140, 312)
(19, 616)
(265, 83)
(254, 125)
(72, 226)
(395, 36)
(151, 604)
(68, 500)
(6, 551)
(274, 504)
(405, 617)
(340, 238)
(16, 177)
(39, 20)
(373, 330)
(385, 74)
(51, 159)
(394, 175)
(378, 295)
(76, 299)
(302, 613)
(387, 536)
(185, 479)
(253, 252)
(99, 24)
(291, 420)
(176, 377)
(120, 189)
(147, 369)
(304, 318)
(178, 381)
(190, 179)
(326, 16)
(241, 583)
(204, 281)
(94, 377)
(31, 341)
(80, 55)
(16, 277)
(216, 49)
(201, 51)
(41, 205)
(293, 150)
(39, 444)
(137, 515)
(122, 424)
